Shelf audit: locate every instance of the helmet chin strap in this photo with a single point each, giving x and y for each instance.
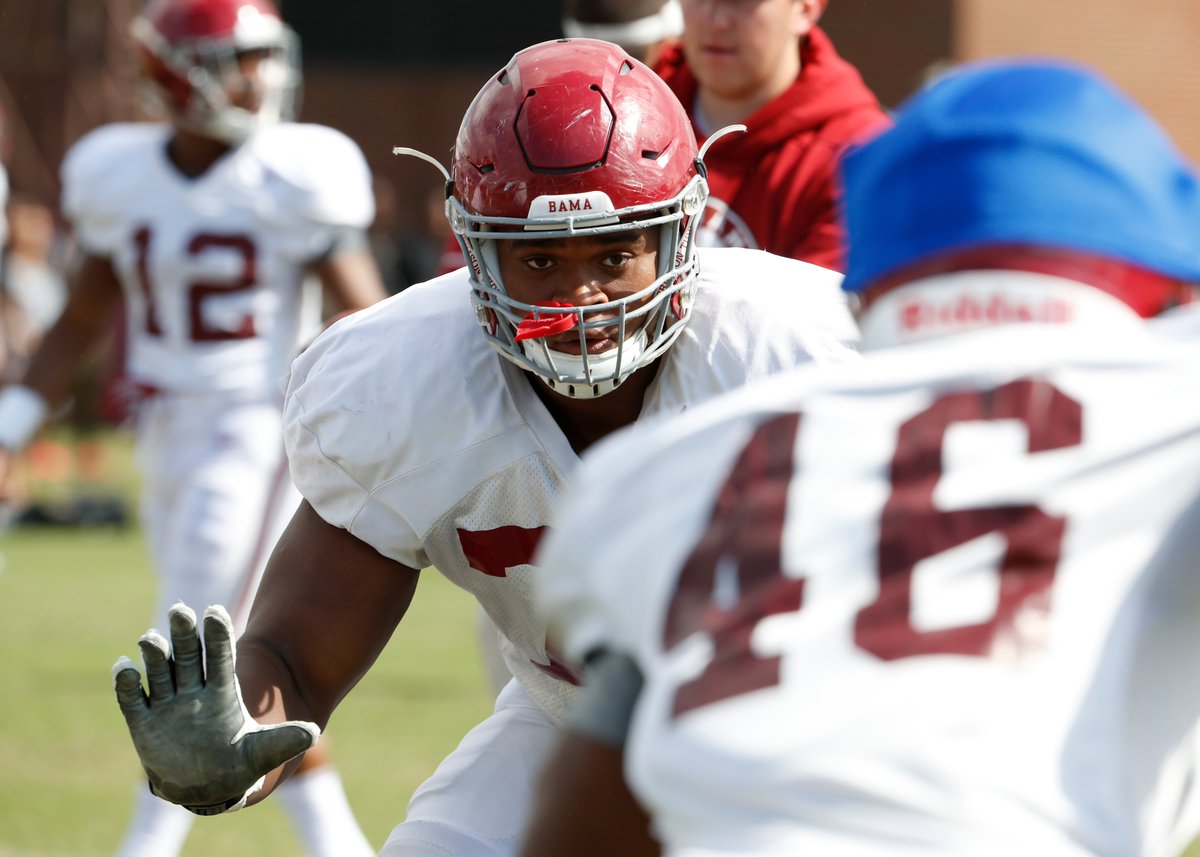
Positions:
(558, 363)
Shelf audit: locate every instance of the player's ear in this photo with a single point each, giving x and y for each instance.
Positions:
(807, 14)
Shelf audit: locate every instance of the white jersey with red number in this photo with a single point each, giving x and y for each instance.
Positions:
(958, 614)
(407, 429)
(213, 267)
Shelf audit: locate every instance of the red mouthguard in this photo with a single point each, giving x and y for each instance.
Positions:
(537, 326)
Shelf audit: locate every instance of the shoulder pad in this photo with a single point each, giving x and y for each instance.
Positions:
(99, 171)
(322, 172)
(100, 153)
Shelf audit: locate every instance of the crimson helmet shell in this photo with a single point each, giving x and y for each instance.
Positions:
(180, 21)
(568, 117)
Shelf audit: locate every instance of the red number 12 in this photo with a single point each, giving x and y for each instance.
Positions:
(197, 293)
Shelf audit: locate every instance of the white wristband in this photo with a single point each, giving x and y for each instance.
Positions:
(21, 414)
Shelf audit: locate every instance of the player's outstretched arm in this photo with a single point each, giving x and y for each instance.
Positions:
(95, 293)
(327, 605)
(84, 321)
(197, 742)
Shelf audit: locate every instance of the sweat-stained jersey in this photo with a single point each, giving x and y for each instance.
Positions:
(212, 267)
(407, 429)
(944, 601)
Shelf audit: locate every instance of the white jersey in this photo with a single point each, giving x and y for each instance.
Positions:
(212, 267)
(958, 615)
(407, 429)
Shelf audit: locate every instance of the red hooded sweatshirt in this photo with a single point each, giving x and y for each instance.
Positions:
(774, 187)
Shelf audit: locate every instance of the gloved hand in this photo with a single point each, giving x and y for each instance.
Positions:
(197, 742)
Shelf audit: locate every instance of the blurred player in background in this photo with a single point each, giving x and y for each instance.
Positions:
(439, 428)
(209, 227)
(766, 64)
(944, 601)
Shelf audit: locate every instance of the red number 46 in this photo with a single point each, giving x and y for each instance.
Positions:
(744, 536)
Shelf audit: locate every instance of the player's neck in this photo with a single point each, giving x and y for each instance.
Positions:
(192, 154)
(586, 421)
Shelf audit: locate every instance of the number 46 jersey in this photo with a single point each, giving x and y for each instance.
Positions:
(212, 266)
(943, 601)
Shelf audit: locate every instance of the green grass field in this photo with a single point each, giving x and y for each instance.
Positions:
(71, 601)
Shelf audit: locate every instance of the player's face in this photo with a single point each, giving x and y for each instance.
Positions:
(582, 271)
(743, 49)
(247, 86)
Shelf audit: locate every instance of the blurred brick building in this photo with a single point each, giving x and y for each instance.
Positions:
(1150, 48)
(400, 73)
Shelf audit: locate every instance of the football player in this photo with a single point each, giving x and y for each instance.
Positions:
(439, 428)
(945, 601)
(209, 227)
(641, 28)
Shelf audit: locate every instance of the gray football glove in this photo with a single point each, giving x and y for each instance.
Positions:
(197, 742)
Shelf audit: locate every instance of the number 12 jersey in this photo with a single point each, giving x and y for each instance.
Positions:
(213, 266)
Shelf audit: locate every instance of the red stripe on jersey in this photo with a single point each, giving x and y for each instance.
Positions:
(1147, 292)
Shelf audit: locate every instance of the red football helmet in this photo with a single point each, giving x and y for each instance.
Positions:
(575, 137)
(189, 52)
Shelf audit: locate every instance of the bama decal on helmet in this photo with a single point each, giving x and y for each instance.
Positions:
(593, 206)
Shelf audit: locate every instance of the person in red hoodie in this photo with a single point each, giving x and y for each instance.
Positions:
(766, 64)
